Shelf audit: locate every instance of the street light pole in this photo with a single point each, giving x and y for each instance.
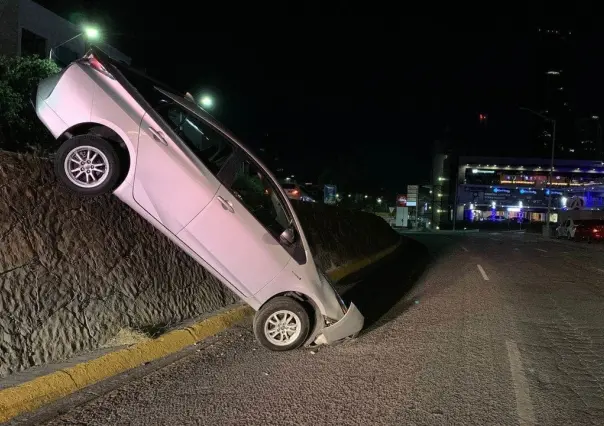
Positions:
(551, 165)
(65, 42)
(551, 172)
(90, 32)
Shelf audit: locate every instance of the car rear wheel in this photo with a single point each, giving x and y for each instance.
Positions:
(87, 165)
(281, 324)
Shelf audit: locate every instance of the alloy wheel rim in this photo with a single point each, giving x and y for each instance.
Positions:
(86, 166)
(282, 328)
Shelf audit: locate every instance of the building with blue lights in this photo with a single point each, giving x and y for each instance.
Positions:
(491, 188)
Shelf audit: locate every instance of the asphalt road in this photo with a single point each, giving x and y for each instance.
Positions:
(484, 329)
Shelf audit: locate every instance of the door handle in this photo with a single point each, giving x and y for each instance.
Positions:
(155, 135)
(226, 204)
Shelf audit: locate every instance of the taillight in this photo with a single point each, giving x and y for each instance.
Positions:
(295, 192)
(595, 230)
(96, 64)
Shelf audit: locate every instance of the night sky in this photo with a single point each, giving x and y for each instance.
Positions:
(364, 96)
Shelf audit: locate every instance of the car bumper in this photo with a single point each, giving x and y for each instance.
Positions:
(350, 324)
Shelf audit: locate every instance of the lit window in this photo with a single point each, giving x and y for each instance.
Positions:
(553, 72)
(571, 150)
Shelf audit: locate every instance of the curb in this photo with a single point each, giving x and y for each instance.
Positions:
(43, 390)
(356, 265)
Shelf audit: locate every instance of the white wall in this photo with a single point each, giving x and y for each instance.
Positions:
(56, 30)
(52, 27)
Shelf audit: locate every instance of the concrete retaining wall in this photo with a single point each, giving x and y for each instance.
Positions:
(74, 272)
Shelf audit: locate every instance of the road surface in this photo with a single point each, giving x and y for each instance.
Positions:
(480, 329)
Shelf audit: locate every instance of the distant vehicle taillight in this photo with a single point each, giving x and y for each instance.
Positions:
(295, 192)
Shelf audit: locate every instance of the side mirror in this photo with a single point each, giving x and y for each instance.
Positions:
(288, 236)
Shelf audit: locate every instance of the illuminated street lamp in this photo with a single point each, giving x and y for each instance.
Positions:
(379, 200)
(91, 33)
(207, 101)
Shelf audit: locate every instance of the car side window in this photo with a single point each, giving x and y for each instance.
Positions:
(257, 193)
(212, 148)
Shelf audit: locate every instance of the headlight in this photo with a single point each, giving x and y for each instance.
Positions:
(326, 279)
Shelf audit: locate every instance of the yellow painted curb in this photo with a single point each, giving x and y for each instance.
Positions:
(42, 390)
(45, 389)
(355, 266)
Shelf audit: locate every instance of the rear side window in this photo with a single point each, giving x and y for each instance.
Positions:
(288, 185)
(211, 147)
(143, 84)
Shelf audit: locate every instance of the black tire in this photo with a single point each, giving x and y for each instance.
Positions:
(273, 306)
(102, 148)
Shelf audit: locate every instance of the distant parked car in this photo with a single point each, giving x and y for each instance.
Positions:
(581, 229)
(296, 192)
(589, 230)
(125, 134)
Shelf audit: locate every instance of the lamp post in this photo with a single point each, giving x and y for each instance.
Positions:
(91, 33)
(551, 166)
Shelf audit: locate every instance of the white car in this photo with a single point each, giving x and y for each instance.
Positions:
(160, 153)
(566, 229)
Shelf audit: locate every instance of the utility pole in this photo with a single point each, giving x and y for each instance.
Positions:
(416, 212)
(455, 196)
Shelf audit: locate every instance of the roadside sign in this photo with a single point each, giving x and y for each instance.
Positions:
(391, 209)
(401, 200)
(412, 191)
(329, 194)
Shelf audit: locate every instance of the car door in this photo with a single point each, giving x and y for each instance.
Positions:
(240, 230)
(171, 181)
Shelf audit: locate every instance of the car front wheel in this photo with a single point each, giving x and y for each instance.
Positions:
(281, 324)
(87, 165)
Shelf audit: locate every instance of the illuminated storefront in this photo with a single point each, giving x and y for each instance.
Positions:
(505, 188)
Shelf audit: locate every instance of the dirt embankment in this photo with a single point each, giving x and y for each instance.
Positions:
(76, 272)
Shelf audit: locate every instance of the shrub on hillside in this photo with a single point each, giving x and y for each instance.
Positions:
(20, 129)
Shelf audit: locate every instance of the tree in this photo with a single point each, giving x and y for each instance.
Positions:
(20, 129)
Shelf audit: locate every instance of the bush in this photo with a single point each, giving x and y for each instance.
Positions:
(20, 129)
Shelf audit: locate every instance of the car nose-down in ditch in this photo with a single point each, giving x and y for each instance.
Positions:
(124, 133)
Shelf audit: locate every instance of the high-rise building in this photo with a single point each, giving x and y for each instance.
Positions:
(578, 130)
